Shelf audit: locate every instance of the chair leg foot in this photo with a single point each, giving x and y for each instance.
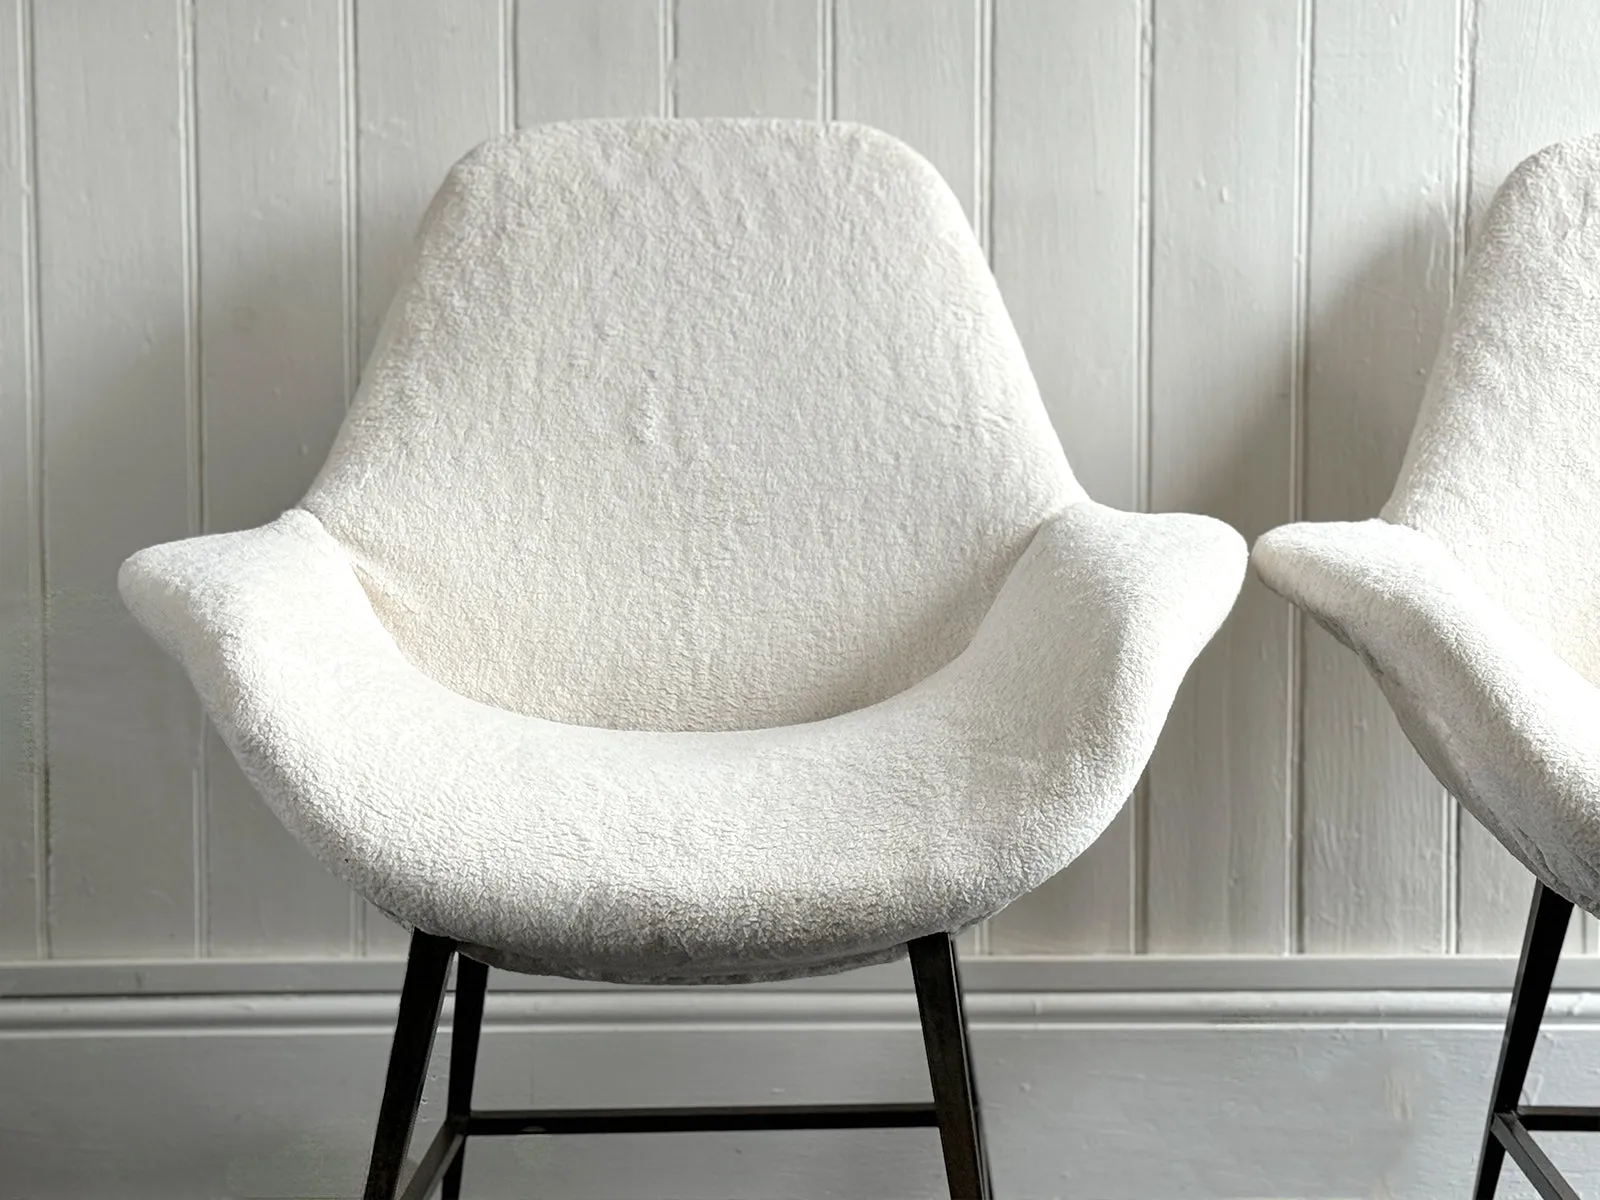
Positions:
(472, 981)
(427, 967)
(1541, 951)
(955, 1094)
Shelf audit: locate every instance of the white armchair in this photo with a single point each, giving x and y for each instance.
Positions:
(696, 593)
(1474, 598)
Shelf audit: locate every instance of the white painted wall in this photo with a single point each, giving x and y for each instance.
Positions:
(1227, 230)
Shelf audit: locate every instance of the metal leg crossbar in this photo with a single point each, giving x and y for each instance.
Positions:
(1509, 1128)
(953, 1111)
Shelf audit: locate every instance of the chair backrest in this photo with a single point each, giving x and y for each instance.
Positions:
(1504, 464)
(691, 425)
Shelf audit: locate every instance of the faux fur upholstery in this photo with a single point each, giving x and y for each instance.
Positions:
(1475, 597)
(696, 591)
(691, 426)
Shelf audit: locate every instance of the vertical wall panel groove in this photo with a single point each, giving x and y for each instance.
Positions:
(24, 930)
(350, 291)
(1144, 285)
(508, 65)
(983, 120)
(667, 36)
(982, 936)
(1065, 218)
(33, 360)
(189, 112)
(1294, 773)
(1466, 72)
(1533, 82)
(349, 197)
(1466, 92)
(983, 218)
(123, 721)
(827, 43)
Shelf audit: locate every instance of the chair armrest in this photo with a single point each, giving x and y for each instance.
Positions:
(1508, 727)
(1093, 632)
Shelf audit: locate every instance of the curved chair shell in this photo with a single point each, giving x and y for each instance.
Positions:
(812, 649)
(1475, 598)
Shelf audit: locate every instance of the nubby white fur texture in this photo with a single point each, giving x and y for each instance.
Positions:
(697, 591)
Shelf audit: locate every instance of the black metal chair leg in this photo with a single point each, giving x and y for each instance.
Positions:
(427, 966)
(954, 1109)
(472, 981)
(955, 1093)
(1541, 951)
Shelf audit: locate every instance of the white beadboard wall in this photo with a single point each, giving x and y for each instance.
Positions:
(1228, 231)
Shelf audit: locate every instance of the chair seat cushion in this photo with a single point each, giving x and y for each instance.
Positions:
(1508, 726)
(682, 857)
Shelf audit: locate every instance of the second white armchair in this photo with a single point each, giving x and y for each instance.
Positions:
(1474, 598)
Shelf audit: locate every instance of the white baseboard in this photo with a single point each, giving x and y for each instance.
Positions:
(1117, 973)
(1161, 1092)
